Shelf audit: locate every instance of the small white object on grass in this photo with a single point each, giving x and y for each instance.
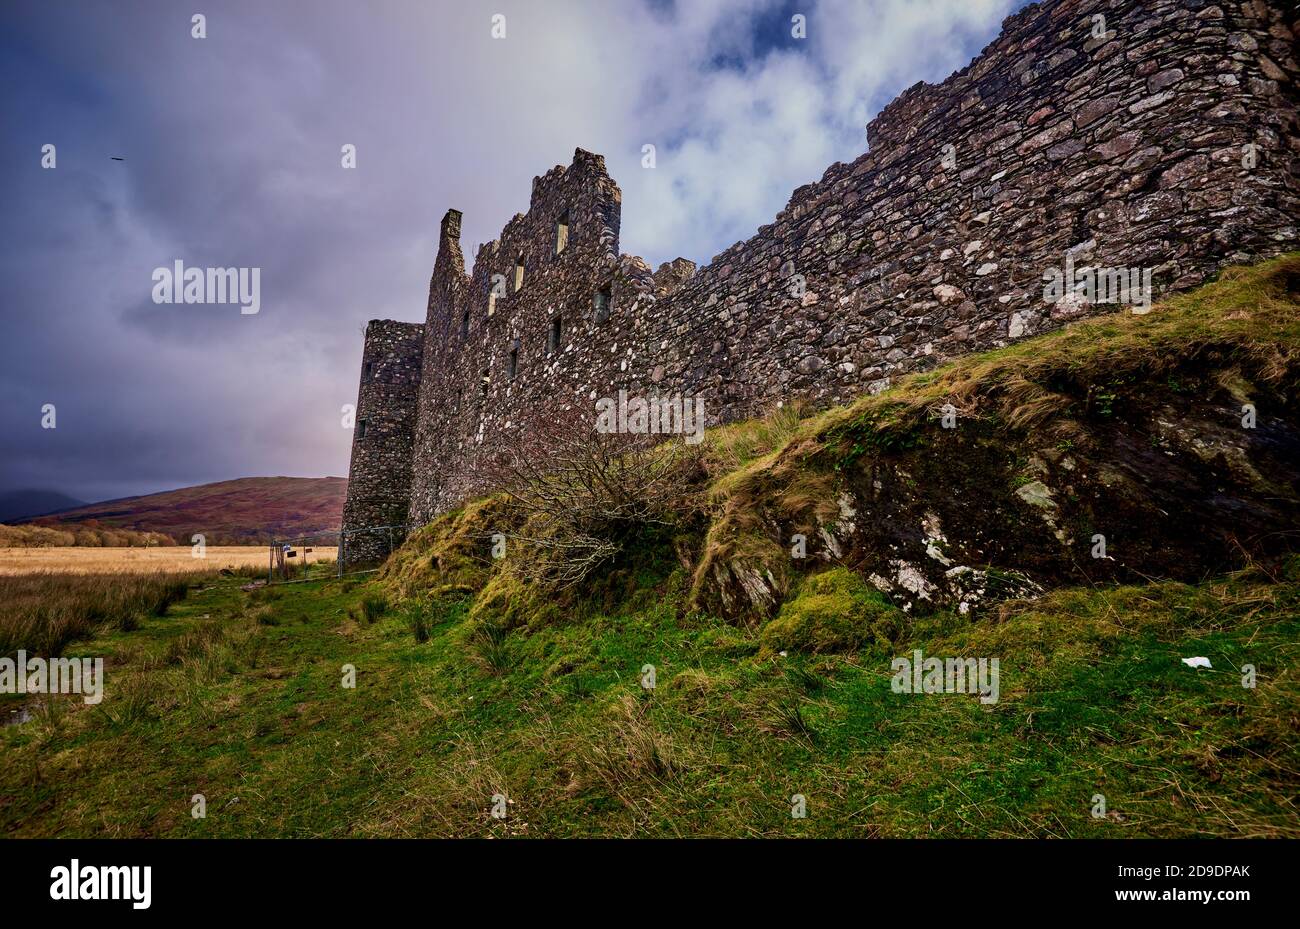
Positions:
(1200, 661)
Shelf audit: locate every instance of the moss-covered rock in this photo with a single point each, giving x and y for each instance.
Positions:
(745, 576)
(508, 602)
(1118, 449)
(834, 611)
(453, 550)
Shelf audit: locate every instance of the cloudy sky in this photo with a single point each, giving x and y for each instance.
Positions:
(231, 157)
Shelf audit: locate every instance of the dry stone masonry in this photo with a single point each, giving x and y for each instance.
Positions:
(379, 485)
(1163, 138)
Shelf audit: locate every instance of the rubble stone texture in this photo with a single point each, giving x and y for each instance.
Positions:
(379, 485)
(1129, 150)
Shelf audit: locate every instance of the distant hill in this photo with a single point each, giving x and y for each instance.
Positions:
(250, 509)
(23, 504)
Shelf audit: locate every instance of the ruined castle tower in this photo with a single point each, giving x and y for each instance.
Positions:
(1135, 134)
(379, 480)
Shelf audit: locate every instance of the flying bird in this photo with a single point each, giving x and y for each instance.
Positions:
(116, 158)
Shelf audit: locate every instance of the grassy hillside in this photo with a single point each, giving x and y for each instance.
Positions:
(249, 509)
(771, 675)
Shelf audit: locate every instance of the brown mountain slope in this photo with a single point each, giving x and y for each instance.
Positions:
(249, 509)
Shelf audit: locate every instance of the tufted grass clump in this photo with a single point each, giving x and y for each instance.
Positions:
(418, 619)
(264, 615)
(373, 606)
(454, 549)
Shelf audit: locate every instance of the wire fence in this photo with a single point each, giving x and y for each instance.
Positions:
(306, 556)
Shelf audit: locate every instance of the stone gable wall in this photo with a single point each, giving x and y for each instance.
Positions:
(1122, 151)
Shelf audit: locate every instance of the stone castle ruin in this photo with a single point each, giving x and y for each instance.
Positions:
(1134, 134)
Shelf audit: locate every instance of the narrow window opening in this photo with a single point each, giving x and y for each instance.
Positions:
(600, 305)
(368, 371)
(484, 382)
(553, 341)
(464, 326)
(519, 272)
(496, 288)
(361, 429)
(562, 233)
(513, 366)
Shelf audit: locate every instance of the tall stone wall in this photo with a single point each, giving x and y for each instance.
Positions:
(1168, 142)
(468, 398)
(379, 480)
(1123, 151)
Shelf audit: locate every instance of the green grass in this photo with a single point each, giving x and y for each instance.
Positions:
(213, 699)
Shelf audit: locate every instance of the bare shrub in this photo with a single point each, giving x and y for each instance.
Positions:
(578, 496)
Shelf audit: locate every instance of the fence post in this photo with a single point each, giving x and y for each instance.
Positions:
(343, 547)
(270, 563)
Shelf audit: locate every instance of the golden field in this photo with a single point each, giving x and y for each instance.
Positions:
(171, 558)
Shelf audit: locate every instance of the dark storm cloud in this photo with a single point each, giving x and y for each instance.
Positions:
(231, 157)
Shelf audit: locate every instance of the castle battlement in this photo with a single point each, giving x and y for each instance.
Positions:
(1168, 142)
